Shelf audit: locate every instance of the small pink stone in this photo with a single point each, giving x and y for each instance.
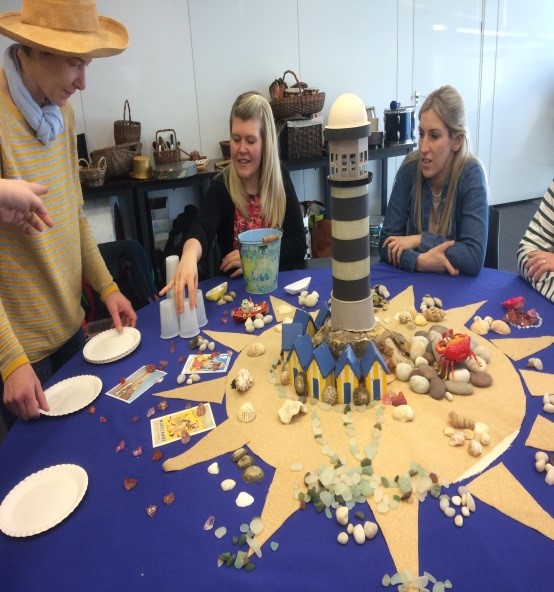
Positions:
(151, 510)
(137, 451)
(120, 446)
(185, 437)
(150, 412)
(209, 524)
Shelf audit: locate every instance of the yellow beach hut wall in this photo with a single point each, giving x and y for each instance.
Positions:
(376, 382)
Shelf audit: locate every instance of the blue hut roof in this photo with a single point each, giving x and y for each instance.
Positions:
(304, 349)
(324, 358)
(322, 315)
(348, 357)
(371, 355)
(301, 316)
(291, 332)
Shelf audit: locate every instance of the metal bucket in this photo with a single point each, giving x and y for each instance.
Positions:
(259, 255)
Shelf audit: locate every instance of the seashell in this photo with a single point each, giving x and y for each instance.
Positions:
(428, 300)
(238, 454)
(468, 434)
(403, 317)
(434, 314)
(245, 462)
(360, 396)
(448, 431)
(438, 302)
(246, 413)
(213, 469)
(255, 349)
(403, 413)
(488, 320)
(480, 428)
(228, 484)
(289, 409)
(300, 385)
(243, 380)
(311, 299)
(479, 326)
(460, 422)
(285, 378)
(535, 363)
(341, 514)
(329, 395)
(244, 499)
(227, 298)
(249, 325)
(475, 448)
(419, 384)
(258, 324)
(485, 438)
(253, 474)
(420, 320)
(342, 538)
(500, 327)
(457, 439)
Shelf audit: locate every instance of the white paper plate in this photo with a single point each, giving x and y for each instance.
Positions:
(72, 394)
(111, 345)
(299, 286)
(42, 500)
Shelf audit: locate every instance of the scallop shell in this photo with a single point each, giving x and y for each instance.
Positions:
(255, 349)
(457, 439)
(285, 378)
(460, 422)
(434, 314)
(246, 413)
(479, 326)
(500, 327)
(403, 413)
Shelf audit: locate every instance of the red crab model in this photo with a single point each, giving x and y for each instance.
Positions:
(249, 309)
(454, 347)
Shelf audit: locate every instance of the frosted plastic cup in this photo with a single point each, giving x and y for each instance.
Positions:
(200, 309)
(169, 319)
(171, 264)
(259, 256)
(188, 321)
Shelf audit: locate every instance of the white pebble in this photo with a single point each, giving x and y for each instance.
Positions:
(456, 500)
(195, 377)
(267, 319)
(541, 454)
(370, 529)
(211, 346)
(549, 479)
(450, 511)
(359, 534)
(444, 502)
(213, 469)
(342, 538)
(540, 465)
(546, 399)
(189, 380)
(341, 515)
(449, 396)
(459, 521)
(465, 511)
(202, 347)
(181, 378)
(258, 324)
(220, 532)
(244, 499)
(548, 408)
(228, 484)
(470, 502)
(350, 528)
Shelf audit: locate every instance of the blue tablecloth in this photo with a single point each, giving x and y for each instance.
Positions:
(109, 542)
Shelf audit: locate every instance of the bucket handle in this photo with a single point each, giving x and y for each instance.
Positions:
(270, 238)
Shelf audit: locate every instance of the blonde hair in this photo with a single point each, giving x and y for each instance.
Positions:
(448, 104)
(252, 105)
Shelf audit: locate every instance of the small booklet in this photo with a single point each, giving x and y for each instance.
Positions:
(136, 384)
(202, 363)
(169, 428)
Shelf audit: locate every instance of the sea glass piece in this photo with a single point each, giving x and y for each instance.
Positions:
(163, 405)
(129, 483)
(169, 498)
(220, 532)
(151, 510)
(156, 455)
(209, 524)
(150, 412)
(120, 446)
(137, 451)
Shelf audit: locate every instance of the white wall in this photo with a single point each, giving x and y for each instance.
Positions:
(189, 59)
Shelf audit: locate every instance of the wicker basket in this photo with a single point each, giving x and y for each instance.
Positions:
(125, 130)
(225, 146)
(167, 155)
(301, 103)
(119, 159)
(92, 176)
(302, 138)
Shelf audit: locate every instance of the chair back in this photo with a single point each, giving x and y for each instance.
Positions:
(491, 254)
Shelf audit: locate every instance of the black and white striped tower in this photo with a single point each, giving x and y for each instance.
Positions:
(347, 136)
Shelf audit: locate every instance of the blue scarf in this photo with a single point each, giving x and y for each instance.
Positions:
(47, 121)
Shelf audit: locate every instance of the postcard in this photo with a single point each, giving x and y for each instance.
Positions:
(168, 428)
(136, 384)
(211, 362)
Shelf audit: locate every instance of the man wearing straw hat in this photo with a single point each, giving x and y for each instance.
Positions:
(40, 276)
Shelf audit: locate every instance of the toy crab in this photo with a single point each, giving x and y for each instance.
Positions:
(454, 347)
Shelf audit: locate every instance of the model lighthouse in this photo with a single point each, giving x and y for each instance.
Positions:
(347, 135)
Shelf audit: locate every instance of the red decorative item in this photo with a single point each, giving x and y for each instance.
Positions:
(200, 409)
(454, 347)
(137, 451)
(398, 400)
(156, 455)
(240, 314)
(169, 498)
(92, 410)
(516, 314)
(129, 483)
(102, 419)
(150, 368)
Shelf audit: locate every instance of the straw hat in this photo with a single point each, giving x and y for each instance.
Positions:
(141, 168)
(65, 27)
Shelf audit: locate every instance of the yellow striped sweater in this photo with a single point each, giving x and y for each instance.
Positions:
(40, 275)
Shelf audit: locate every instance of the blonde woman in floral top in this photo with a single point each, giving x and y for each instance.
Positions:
(254, 191)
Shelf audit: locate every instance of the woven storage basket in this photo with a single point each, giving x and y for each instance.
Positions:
(125, 130)
(302, 138)
(302, 103)
(225, 146)
(92, 176)
(168, 155)
(119, 159)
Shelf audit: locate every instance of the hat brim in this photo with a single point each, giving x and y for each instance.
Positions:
(111, 39)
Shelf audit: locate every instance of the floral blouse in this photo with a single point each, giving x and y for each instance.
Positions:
(255, 219)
